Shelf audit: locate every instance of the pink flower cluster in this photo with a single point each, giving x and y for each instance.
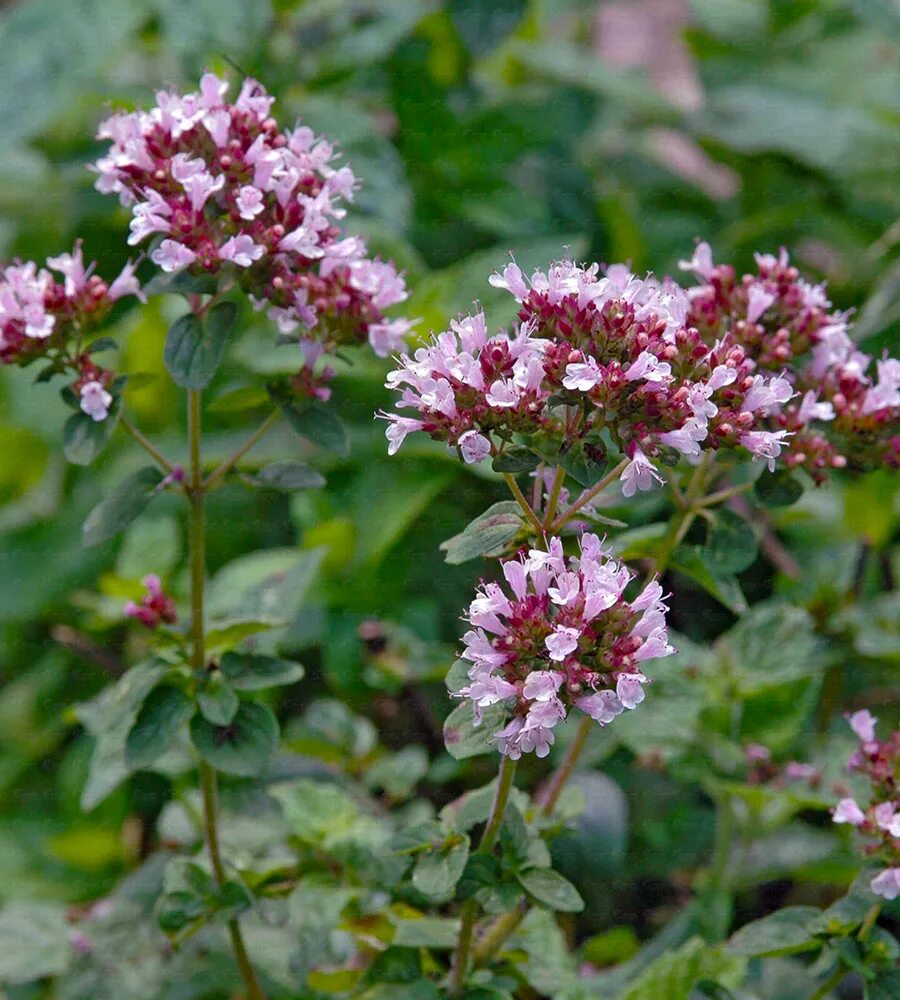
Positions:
(842, 412)
(879, 761)
(590, 354)
(564, 635)
(42, 317)
(156, 606)
(222, 189)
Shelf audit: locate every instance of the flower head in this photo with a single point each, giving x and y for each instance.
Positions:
(879, 821)
(222, 188)
(589, 351)
(563, 636)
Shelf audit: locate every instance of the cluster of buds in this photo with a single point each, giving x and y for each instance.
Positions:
(225, 193)
(590, 356)
(762, 770)
(156, 606)
(879, 822)
(43, 318)
(841, 412)
(563, 636)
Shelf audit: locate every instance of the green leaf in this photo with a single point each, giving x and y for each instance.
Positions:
(489, 532)
(232, 899)
(785, 932)
(399, 773)
(240, 400)
(551, 889)
(125, 503)
(35, 940)
(778, 489)
(217, 700)
(848, 912)
(109, 718)
(195, 346)
(253, 672)
(772, 644)
(225, 635)
(730, 545)
(437, 872)
(464, 739)
(176, 910)
(319, 425)
(457, 676)
(515, 460)
(674, 974)
(242, 747)
(427, 932)
(286, 476)
(482, 871)
(84, 438)
(885, 986)
(586, 463)
(158, 722)
(690, 560)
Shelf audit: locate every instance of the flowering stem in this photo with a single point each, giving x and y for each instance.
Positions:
(565, 769)
(725, 494)
(196, 492)
(470, 907)
(554, 496)
(501, 929)
(830, 983)
(586, 497)
(147, 445)
(218, 474)
(866, 929)
(523, 503)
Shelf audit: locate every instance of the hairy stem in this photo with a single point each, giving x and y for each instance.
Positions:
(587, 496)
(147, 445)
(554, 496)
(523, 503)
(208, 780)
(470, 907)
(218, 474)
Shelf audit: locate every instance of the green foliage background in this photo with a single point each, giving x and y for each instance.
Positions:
(478, 128)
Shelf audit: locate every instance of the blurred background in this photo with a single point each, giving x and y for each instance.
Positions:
(622, 131)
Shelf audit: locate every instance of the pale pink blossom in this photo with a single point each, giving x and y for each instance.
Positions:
(886, 883)
(474, 447)
(172, 256)
(847, 811)
(95, 400)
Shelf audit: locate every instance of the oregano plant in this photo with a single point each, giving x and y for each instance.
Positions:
(639, 433)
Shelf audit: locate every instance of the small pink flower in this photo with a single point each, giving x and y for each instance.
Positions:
(629, 689)
(172, 256)
(561, 642)
(582, 377)
(863, 724)
(241, 250)
(847, 811)
(602, 706)
(511, 279)
(758, 301)
(474, 447)
(541, 685)
(887, 883)
(638, 474)
(249, 202)
(95, 401)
